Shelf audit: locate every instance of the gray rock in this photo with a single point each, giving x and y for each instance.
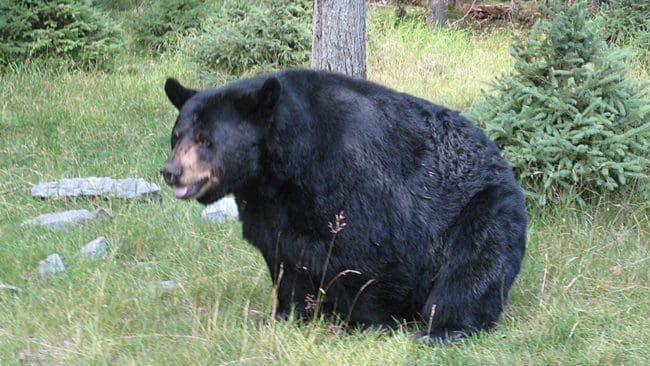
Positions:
(60, 220)
(129, 188)
(96, 249)
(221, 211)
(51, 266)
(167, 286)
(12, 289)
(145, 265)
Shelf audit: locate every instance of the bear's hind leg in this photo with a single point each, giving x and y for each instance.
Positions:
(483, 254)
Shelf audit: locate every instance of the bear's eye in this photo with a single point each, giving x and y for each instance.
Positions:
(199, 138)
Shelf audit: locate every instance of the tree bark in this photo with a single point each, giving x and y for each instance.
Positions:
(435, 13)
(339, 37)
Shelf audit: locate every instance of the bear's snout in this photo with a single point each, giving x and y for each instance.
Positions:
(171, 172)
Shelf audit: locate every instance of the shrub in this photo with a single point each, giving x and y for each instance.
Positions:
(119, 5)
(621, 21)
(568, 118)
(247, 38)
(626, 23)
(164, 22)
(66, 30)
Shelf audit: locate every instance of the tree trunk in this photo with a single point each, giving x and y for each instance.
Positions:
(435, 13)
(339, 37)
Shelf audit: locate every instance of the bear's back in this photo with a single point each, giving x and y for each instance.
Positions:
(356, 125)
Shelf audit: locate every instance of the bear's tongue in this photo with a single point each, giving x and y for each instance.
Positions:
(180, 191)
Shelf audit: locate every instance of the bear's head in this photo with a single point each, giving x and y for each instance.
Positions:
(217, 135)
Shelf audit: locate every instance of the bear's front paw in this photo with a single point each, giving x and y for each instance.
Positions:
(295, 313)
(439, 337)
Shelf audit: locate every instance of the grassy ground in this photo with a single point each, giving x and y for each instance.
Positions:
(582, 297)
(448, 66)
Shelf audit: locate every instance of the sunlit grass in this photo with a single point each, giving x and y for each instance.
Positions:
(446, 66)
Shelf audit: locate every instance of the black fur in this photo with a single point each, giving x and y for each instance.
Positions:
(434, 217)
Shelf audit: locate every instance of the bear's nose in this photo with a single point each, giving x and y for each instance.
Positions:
(171, 173)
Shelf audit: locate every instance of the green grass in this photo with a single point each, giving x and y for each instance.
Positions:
(446, 66)
(582, 296)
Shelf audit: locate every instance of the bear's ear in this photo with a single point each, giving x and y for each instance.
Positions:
(177, 93)
(267, 96)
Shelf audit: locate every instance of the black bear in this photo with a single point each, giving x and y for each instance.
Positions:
(392, 208)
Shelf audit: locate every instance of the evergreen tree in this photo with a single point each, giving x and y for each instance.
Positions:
(626, 23)
(568, 118)
(57, 31)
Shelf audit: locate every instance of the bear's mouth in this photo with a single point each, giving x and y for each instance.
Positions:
(191, 190)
